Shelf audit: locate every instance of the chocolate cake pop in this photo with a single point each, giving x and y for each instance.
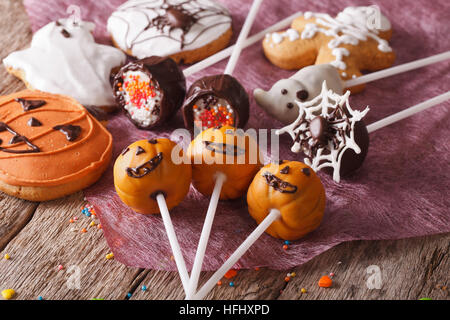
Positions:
(330, 133)
(215, 101)
(150, 90)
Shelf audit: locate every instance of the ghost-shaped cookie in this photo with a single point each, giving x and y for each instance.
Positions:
(305, 85)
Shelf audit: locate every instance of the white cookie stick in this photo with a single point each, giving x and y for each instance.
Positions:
(173, 241)
(205, 63)
(397, 69)
(220, 178)
(408, 112)
(240, 251)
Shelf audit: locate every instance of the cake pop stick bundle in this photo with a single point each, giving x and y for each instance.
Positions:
(394, 189)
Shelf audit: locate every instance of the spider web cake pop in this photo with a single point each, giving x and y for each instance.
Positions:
(330, 133)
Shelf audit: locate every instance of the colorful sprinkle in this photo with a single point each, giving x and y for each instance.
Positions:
(325, 282)
(287, 242)
(60, 267)
(331, 274)
(40, 298)
(83, 230)
(230, 274)
(110, 256)
(293, 274)
(144, 288)
(219, 283)
(92, 224)
(129, 294)
(7, 257)
(231, 284)
(287, 279)
(285, 247)
(8, 294)
(303, 290)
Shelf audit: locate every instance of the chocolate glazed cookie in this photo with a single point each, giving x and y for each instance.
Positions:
(150, 90)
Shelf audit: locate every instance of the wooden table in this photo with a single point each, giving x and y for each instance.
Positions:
(39, 237)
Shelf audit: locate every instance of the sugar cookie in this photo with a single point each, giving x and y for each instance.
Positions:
(357, 39)
(50, 146)
(65, 59)
(187, 31)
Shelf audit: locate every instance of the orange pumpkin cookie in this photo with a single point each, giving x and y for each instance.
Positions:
(145, 169)
(49, 146)
(224, 150)
(295, 190)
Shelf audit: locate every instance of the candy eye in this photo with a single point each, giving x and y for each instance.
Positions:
(284, 91)
(290, 105)
(302, 95)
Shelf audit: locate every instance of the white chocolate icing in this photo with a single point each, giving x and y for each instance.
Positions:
(349, 27)
(132, 29)
(309, 78)
(72, 65)
(331, 154)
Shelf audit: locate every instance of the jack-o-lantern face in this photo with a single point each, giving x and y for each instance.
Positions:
(145, 169)
(295, 190)
(228, 151)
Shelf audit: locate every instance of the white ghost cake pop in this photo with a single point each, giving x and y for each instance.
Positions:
(305, 85)
(65, 59)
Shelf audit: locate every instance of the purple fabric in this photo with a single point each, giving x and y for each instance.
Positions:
(401, 191)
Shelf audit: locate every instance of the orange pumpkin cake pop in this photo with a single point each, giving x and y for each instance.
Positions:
(145, 169)
(50, 146)
(226, 151)
(295, 190)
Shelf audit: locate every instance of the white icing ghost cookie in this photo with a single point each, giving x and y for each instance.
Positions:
(305, 85)
(356, 39)
(185, 30)
(65, 59)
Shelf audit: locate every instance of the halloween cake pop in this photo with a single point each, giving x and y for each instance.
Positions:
(306, 84)
(50, 146)
(287, 200)
(150, 91)
(294, 189)
(145, 169)
(330, 133)
(225, 150)
(148, 180)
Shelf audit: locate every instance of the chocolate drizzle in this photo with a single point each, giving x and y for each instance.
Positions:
(223, 148)
(139, 150)
(33, 122)
(16, 139)
(306, 172)
(65, 33)
(171, 17)
(278, 184)
(145, 168)
(71, 132)
(28, 105)
(285, 170)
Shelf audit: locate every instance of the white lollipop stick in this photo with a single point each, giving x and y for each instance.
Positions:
(408, 112)
(204, 237)
(179, 260)
(397, 69)
(240, 251)
(242, 36)
(205, 63)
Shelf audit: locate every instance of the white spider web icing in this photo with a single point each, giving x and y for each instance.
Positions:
(324, 105)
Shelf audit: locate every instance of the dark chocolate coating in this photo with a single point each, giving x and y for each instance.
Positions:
(350, 160)
(222, 86)
(168, 79)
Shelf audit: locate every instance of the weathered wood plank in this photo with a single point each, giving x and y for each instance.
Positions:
(410, 269)
(16, 34)
(48, 241)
